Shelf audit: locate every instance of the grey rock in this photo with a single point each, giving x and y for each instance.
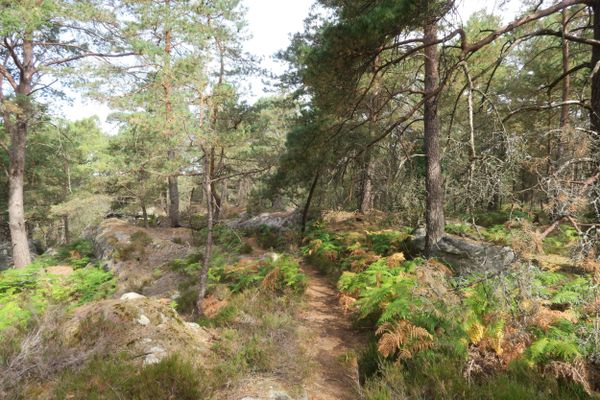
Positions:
(155, 355)
(132, 296)
(192, 325)
(279, 395)
(277, 220)
(466, 255)
(143, 320)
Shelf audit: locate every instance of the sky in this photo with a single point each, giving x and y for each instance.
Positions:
(271, 23)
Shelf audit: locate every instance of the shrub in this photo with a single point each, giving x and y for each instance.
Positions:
(136, 248)
(78, 254)
(26, 292)
(280, 275)
(387, 242)
(114, 378)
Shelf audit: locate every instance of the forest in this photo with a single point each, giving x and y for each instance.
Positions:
(411, 210)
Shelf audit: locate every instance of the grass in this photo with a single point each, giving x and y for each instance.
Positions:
(116, 378)
(136, 248)
(258, 336)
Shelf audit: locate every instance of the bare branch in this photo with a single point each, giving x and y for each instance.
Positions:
(538, 107)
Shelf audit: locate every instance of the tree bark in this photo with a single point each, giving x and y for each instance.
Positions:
(366, 198)
(434, 213)
(209, 235)
(167, 86)
(368, 167)
(16, 172)
(311, 193)
(595, 100)
(66, 231)
(145, 215)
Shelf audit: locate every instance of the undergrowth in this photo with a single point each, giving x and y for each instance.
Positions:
(115, 378)
(472, 337)
(27, 292)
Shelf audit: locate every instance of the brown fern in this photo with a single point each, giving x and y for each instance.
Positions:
(271, 279)
(403, 339)
(348, 303)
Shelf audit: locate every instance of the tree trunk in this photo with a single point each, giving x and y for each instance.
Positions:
(368, 167)
(16, 210)
(311, 193)
(172, 179)
(566, 83)
(16, 172)
(595, 64)
(66, 231)
(366, 195)
(434, 213)
(209, 235)
(145, 215)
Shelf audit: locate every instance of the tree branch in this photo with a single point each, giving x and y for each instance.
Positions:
(473, 47)
(80, 56)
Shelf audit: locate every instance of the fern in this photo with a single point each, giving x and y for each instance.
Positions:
(560, 343)
(403, 339)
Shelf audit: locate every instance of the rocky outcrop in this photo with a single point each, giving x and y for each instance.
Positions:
(465, 255)
(277, 220)
(6, 252)
(138, 256)
(5, 256)
(145, 329)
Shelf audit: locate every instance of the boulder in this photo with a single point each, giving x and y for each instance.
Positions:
(465, 255)
(135, 254)
(132, 296)
(5, 256)
(35, 248)
(277, 220)
(145, 329)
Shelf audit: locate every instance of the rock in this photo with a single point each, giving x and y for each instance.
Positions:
(132, 296)
(6, 252)
(278, 395)
(5, 256)
(277, 220)
(465, 255)
(193, 325)
(134, 261)
(143, 320)
(155, 355)
(115, 326)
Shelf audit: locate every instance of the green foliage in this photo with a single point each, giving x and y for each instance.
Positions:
(387, 242)
(78, 253)
(115, 378)
(461, 229)
(271, 238)
(491, 218)
(27, 292)
(322, 249)
(561, 241)
(497, 234)
(281, 274)
(90, 284)
(438, 376)
(189, 265)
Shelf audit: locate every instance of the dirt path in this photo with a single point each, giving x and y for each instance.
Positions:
(331, 342)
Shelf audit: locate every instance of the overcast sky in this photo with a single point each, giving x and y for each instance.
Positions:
(271, 22)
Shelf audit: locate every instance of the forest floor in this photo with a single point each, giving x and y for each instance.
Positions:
(331, 342)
